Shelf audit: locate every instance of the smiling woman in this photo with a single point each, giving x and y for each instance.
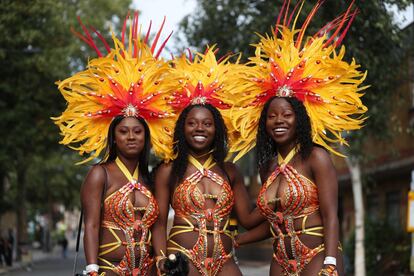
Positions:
(201, 187)
(300, 99)
(204, 130)
(285, 121)
(199, 129)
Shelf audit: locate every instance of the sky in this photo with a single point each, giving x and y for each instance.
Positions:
(155, 10)
(403, 17)
(175, 10)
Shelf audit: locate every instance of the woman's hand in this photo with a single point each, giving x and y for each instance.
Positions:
(162, 195)
(259, 233)
(328, 270)
(247, 215)
(173, 265)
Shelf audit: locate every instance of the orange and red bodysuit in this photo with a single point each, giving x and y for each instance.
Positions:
(189, 203)
(121, 215)
(299, 200)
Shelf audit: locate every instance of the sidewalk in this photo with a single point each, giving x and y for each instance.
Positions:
(249, 266)
(254, 268)
(34, 256)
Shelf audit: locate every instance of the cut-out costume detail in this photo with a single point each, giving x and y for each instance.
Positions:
(299, 201)
(120, 214)
(189, 203)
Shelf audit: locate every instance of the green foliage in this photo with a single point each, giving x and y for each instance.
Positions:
(231, 24)
(55, 179)
(376, 44)
(387, 249)
(37, 49)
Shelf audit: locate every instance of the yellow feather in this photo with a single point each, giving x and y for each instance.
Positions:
(340, 94)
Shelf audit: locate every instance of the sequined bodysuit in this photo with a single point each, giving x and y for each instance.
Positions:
(189, 203)
(120, 214)
(300, 199)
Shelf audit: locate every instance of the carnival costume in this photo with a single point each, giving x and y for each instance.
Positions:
(123, 82)
(204, 80)
(189, 203)
(288, 65)
(299, 202)
(119, 214)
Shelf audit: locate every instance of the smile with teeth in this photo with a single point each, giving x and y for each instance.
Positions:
(280, 130)
(199, 138)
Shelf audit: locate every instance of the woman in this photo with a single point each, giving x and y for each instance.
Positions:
(118, 94)
(299, 194)
(201, 187)
(301, 95)
(129, 209)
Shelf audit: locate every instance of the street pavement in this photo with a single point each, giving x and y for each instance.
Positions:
(254, 268)
(46, 264)
(53, 263)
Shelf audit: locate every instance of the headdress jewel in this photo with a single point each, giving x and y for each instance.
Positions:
(287, 65)
(204, 79)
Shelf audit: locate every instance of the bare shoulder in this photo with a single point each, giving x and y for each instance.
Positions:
(96, 174)
(232, 170)
(164, 168)
(230, 166)
(162, 174)
(320, 159)
(95, 180)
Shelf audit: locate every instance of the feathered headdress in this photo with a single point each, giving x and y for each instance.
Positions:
(125, 82)
(286, 64)
(205, 79)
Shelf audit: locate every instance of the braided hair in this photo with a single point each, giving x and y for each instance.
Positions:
(181, 148)
(265, 146)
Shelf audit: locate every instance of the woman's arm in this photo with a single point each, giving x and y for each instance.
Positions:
(91, 197)
(247, 215)
(256, 234)
(325, 178)
(162, 195)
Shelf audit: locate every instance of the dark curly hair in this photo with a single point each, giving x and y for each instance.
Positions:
(181, 146)
(265, 146)
(110, 149)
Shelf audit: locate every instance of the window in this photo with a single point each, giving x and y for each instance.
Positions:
(393, 206)
(373, 206)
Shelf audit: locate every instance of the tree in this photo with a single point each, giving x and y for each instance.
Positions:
(37, 49)
(231, 24)
(377, 45)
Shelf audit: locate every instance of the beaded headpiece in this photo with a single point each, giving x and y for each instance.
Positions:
(205, 79)
(311, 70)
(125, 82)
